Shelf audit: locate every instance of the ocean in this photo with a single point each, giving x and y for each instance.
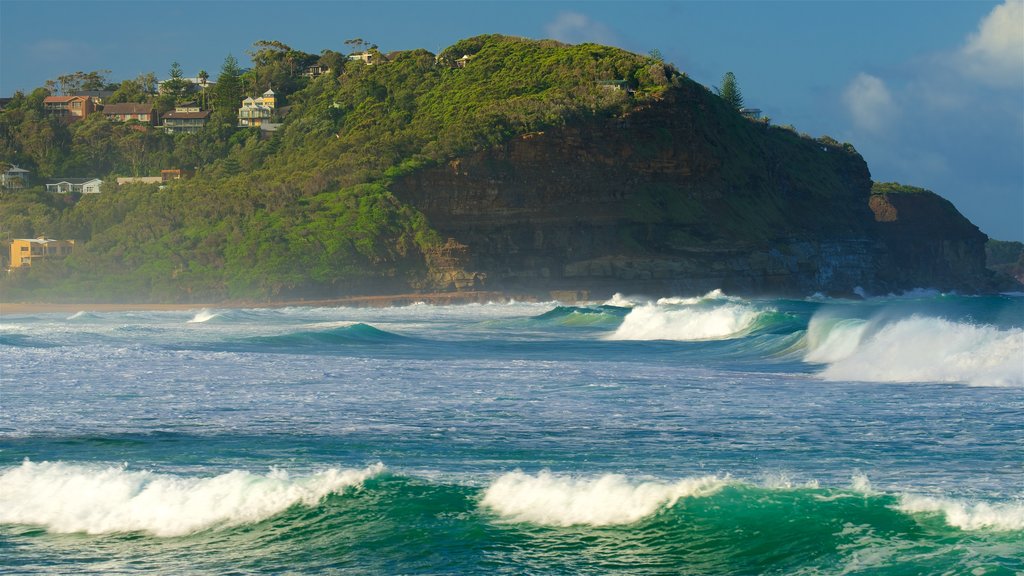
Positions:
(703, 435)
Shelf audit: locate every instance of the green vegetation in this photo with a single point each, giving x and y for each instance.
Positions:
(896, 188)
(306, 212)
(730, 91)
(1006, 257)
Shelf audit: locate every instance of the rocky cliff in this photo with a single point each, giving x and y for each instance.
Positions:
(684, 195)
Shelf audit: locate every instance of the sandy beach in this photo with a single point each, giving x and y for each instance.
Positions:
(12, 308)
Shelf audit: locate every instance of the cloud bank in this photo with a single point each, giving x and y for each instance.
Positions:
(995, 52)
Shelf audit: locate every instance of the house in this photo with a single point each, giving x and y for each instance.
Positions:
(121, 180)
(97, 96)
(461, 62)
(25, 250)
(74, 185)
(368, 58)
(315, 70)
(169, 174)
(186, 119)
(256, 111)
(144, 113)
(14, 178)
(69, 107)
(752, 113)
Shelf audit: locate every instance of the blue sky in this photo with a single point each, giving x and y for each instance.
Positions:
(930, 92)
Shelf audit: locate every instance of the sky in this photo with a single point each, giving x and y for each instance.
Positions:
(931, 93)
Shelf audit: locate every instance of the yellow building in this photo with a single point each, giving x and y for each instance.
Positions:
(256, 111)
(25, 250)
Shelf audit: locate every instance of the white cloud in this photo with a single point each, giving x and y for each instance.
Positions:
(574, 28)
(995, 53)
(869, 103)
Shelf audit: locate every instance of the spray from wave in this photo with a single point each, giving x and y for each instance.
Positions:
(551, 500)
(203, 315)
(97, 500)
(916, 349)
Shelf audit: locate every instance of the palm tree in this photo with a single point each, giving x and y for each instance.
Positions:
(203, 77)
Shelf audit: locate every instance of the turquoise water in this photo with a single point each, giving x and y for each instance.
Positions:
(704, 435)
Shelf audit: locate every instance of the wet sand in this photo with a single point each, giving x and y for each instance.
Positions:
(378, 301)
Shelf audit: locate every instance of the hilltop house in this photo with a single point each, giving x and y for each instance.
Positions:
(69, 107)
(79, 185)
(14, 178)
(368, 58)
(187, 118)
(315, 70)
(97, 96)
(256, 111)
(25, 250)
(144, 113)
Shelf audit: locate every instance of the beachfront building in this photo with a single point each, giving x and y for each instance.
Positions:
(25, 250)
(256, 111)
(74, 185)
(14, 178)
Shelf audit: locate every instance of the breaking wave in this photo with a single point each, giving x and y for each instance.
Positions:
(916, 349)
(551, 500)
(203, 315)
(1004, 517)
(687, 322)
(97, 500)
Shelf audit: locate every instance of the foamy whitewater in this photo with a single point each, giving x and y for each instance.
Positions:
(647, 434)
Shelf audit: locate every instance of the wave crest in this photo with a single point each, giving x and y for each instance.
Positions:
(96, 500)
(967, 516)
(611, 499)
(917, 349)
(671, 322)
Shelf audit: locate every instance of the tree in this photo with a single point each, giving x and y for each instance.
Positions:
(730, 91)
(203, 77)
(227, 95)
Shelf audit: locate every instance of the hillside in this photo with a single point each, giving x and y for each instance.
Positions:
(549, 166)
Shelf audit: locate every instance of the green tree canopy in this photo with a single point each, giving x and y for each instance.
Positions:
(730, 91)
(228, 91)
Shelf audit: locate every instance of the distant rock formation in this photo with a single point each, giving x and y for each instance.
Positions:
(686, 195)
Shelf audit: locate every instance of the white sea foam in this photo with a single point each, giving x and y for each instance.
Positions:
(715, 294)
(654, 322)
(622, 301)
(203, 316)
(551, 500)
(917, 349)
(862, 485)
(78, 315)
(1004, 516)
(96, 500)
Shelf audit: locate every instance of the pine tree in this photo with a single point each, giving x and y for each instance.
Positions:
(228, 90)
(730, 91)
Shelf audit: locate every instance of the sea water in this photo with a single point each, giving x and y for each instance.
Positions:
(702, 435)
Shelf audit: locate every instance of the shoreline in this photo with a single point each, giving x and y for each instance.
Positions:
(377, 301)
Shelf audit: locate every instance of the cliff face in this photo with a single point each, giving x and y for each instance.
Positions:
(681, 196)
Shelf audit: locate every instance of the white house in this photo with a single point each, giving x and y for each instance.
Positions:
(80, 185)
(14, 178)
